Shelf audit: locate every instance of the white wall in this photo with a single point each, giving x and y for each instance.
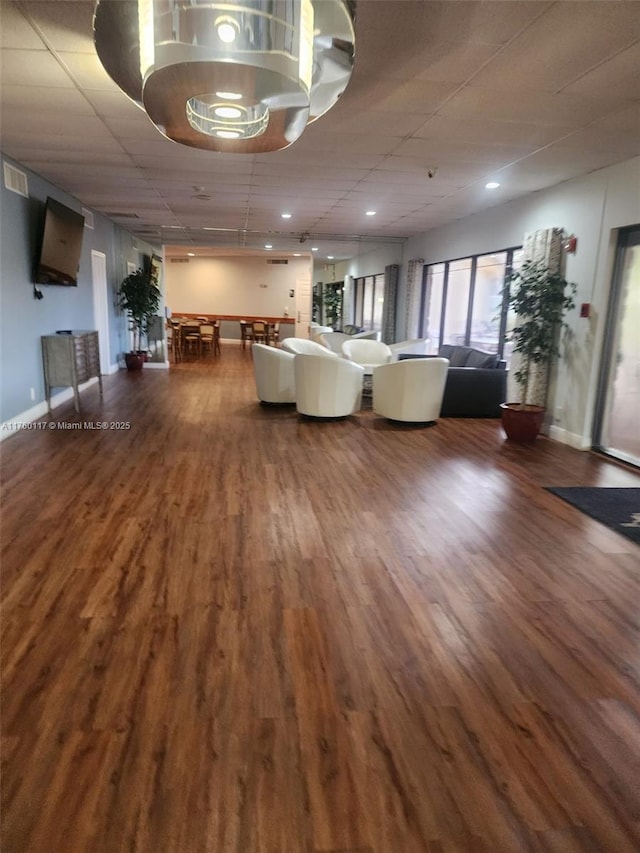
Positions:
(234, 285)
(593, 208)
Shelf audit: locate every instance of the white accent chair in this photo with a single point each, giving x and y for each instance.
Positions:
(315, 330)
(419, 346)
(333, 341)
(410, 390)
(369, 335)
(327, 387)
(299, 346)
(273, 370)
(367, 353)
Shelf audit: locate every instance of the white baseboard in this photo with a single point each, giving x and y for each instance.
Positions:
(156, 365)
(570, 438)
(21, 421)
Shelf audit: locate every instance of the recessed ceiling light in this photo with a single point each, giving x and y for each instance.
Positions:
(370, 213)
(329, 257)
(285, 215)
(268, 246)
(297, 254)
(314, 248)
(492, 185)
(228, 112)
(191, 254)
(227, 32)
(230, 96)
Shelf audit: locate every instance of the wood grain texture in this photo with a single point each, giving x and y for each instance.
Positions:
(231, 630)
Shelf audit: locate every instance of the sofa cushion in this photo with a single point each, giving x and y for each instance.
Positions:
(460, 356)
(477, 358)
(457, 355)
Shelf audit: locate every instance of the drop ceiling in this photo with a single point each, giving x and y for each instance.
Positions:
(527, 94)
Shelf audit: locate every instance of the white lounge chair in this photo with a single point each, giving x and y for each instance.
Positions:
(410, 390)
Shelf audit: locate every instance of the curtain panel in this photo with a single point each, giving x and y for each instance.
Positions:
(412, 304)
(391, 274)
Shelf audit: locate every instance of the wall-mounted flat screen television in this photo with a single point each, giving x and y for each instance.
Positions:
(59, 256)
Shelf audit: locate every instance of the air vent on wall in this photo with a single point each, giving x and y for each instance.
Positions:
(277, 261)
(15, 180)
(179, 260)
(88, 218)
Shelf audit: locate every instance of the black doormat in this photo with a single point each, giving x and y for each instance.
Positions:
(619, 509)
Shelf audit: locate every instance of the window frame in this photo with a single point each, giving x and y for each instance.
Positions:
(509, 252)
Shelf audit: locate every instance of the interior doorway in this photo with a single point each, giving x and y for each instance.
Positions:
(101, 306)
(618, 407)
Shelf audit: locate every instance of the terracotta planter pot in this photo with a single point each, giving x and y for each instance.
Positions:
(134, 361)
(521, 423)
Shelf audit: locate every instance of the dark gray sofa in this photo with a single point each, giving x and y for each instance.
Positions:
(476, 382)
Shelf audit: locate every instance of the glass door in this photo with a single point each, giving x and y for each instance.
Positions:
(618, 407)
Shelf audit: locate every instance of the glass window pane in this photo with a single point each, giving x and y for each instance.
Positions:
(433, 306)
(367, 314)
(516, 263)
(359, 298)
(487, 301)
(456, 309)
(378, 303)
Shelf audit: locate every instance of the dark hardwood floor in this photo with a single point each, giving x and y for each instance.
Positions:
(230, 630)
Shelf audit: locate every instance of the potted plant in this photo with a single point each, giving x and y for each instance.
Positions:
(139, 296)
(540, 298)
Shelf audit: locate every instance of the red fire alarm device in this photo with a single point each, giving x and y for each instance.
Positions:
(585, 309)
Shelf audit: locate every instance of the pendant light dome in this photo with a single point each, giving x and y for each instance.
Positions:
(240, 77)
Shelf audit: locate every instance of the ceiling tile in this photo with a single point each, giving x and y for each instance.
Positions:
(16, 31)
(87, 71)
(563, 44)
(35, 100)
(32, 68)
(540, 107)
(511, 133)
(64, 25)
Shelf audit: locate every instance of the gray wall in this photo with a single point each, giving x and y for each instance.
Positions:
(24, 319)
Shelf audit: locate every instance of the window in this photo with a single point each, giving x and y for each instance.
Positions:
(369, 301)
(457, 302)
(462, 302)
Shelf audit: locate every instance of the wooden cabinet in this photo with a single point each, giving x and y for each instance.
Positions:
(70, 360)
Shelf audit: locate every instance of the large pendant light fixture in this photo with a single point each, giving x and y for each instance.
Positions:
(241, 77)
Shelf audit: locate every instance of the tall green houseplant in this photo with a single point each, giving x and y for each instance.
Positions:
(540, 298)
(139, 296)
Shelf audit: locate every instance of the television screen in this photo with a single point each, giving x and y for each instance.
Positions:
(59, 256)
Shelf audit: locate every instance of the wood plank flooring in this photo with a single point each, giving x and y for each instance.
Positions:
(230, 630)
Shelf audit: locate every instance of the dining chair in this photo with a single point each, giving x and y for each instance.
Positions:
(274, 333)
(207, 337)
(246, 333)
(260, 332)
(216, 338)
(191, 337)
(176, 339)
